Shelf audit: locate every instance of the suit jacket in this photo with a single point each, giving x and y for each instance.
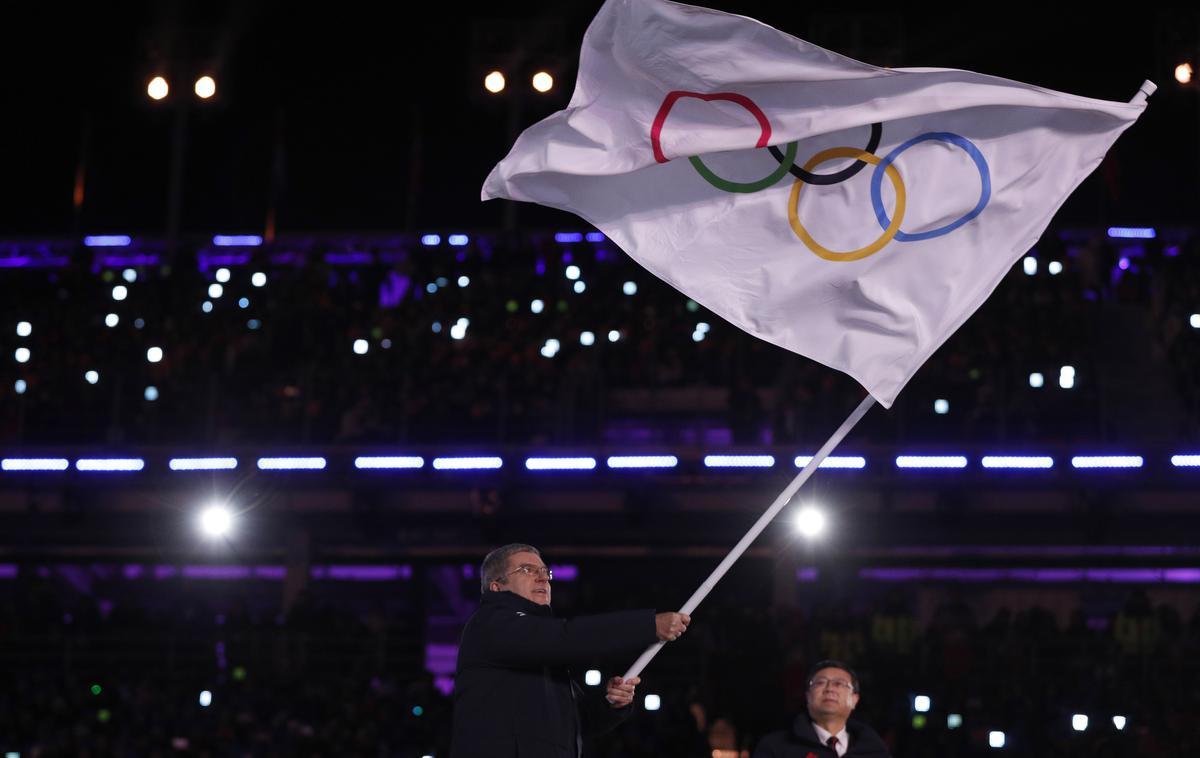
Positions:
(513, 693)
(801, 741)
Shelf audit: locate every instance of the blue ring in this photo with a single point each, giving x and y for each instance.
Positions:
(954, 139)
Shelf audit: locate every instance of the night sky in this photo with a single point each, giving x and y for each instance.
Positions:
(362, 117)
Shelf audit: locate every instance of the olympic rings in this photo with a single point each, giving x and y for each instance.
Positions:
(724, 184)
(891, 227)
(985, 180)
(889, 232)
(839, 177)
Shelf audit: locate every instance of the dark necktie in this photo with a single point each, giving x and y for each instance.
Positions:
(832, 742)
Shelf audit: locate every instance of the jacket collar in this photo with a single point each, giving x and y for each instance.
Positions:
(506, 599)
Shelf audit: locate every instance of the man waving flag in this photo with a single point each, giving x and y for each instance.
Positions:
(852, 214)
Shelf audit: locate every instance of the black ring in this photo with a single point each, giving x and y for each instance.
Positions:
(841, 176)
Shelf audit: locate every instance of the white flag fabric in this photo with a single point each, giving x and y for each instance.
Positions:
(853, 214)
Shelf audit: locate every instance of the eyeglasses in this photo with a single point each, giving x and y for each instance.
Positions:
(530, 570)
(839, 685)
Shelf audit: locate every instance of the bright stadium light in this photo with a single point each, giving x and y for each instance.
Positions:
(112, 320)
(543, 82)
(573, 272)
(996, 739)
(591, 678)
(223, 275)
(1194, 321)
(464, 281)
(157, 89)
(24, 329)
(1036, 380)
(1079, 722)
(1030, 265)
(91, 377)
(259, 279)
(206, 306)
(922, 703)
(1184, 73)
(205, 699)
(216, 520)
(941, 406)
(1066, 377)
(129, 275)
(537, 306)
(810, 521)
(20, 386)
(205, 87)
(1055, 268)
(953, 720)
(1119, 722)
(494, 82)
(202, 464)
(560, 464)
(361, 347)
(629, 288)
(614, 335)
(120, 292)
(579, 287)
(215, 291)
(587, 339)
(151, 393)
(22, 355)
(154, 354)
(653, 702)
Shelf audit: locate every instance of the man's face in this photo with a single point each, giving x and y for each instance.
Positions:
(531, 584)
(830, 694)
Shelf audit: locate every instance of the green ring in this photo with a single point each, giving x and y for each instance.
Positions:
(761, 184)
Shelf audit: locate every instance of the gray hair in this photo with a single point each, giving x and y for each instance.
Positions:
(495, 565)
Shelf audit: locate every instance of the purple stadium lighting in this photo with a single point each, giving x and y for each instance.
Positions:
(467, 464)
(389, 462)
(931, 461)
(1018, 461)
(110, 464)
(123, 261)
(833, 461)
(107, 240)
(1131, 232)
(739, 461)
(237, 240)
(560, 464)
(568, 237)
(8, 571)
(35, 464)
(340, 573)
(642, 461)
(807, 574)
(291, 464)
(1041, 575)
(1185, 461)
(458, 240)
(431, 240)
(202, 464)
(566, 572)
(1107, 461)
(595, 236)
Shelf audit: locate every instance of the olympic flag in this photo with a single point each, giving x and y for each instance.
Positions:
(852, 214)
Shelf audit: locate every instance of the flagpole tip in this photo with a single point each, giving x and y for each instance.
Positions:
(1147, 89)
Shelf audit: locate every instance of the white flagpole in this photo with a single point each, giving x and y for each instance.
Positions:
(784, 498)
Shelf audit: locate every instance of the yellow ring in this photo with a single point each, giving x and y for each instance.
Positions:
(852, 255)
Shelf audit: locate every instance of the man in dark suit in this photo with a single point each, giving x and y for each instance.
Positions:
(514, 696)
(826, 730)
